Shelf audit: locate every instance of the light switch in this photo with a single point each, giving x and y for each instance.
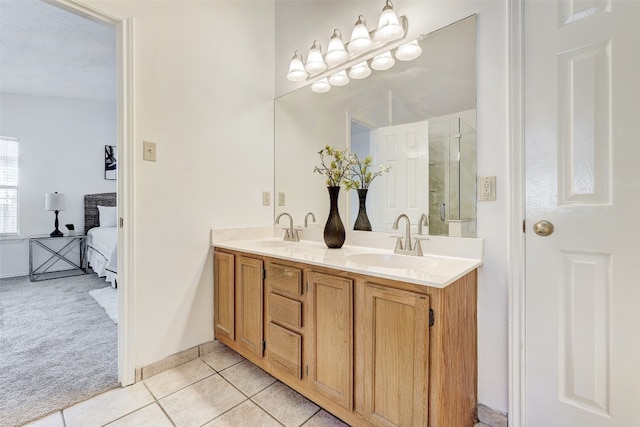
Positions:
(149, 152)
(266, 198)
(281, 199)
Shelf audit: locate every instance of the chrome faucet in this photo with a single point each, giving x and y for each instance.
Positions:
(424, 220)
(306, 217)
(407, 237)
(407, 249)
(290, 234)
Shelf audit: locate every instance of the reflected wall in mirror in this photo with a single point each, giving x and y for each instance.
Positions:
(418, 117)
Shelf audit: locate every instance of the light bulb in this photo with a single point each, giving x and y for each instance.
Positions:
(296, 69)
(360, 39)
(315, 63)
(408, 51)
(384, 61)
(360, 71)
(336, 53)
(389, 27)
(321, 86)
(339, 79)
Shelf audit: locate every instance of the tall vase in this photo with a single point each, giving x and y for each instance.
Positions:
(334, 233)
(362, 221)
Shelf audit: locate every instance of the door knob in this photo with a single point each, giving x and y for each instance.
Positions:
(543, 228)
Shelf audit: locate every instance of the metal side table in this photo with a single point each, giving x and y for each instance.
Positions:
(58, 249)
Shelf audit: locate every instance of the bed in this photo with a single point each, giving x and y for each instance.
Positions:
(100, 226)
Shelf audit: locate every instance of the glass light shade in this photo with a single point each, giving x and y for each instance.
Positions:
(296, 72)
(336, 52)
(360, 38)
(408, 51)
(339, 79)
(360, 71)
(384, 61)
(389, 27)
(321, 86)
(315, 63)
(54, 201)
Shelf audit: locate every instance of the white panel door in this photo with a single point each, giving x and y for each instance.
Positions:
(582, 149)
(405, 188)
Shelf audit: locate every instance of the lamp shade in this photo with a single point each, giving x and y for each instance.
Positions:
(360, 38)
(321, 86)
(296, 72)
(315, 63)
(409, 51)
(339, 79)
(389, 27)
(382, 62)
(336, 52)
(54, 201)
(360, 71)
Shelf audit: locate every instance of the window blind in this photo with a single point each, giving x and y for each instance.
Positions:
(8, 186)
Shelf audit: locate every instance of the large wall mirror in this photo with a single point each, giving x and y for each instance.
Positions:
(419, 117)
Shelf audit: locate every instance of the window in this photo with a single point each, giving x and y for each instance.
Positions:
(8, 186)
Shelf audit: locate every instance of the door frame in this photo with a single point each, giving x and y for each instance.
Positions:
(124, 45)
(517, 236)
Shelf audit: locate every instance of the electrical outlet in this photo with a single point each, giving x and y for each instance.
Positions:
(149, 151)
(486, 188)
(266, 198)
(280, 199)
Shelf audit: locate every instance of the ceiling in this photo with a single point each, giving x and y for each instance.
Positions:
(47, 51)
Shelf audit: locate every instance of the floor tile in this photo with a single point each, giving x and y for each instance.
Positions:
(222, 359)
(108, 406)
(53, 420)
(175, 379)
(325, 419)
(248, 378)
(150, 415)
(286, 405)
(245, 414)
(201, 402)
(209, 347)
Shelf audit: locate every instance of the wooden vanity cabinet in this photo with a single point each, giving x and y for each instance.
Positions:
(374, 352)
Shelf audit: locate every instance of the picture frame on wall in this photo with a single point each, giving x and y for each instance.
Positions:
(110, 162)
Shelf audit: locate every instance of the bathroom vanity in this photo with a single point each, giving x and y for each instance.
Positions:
(375, 338)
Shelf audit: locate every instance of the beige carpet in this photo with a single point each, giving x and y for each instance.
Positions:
(57, 346)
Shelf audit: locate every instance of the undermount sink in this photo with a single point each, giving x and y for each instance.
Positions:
(391, 261)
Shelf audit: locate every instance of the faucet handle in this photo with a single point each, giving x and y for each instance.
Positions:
(398, 243)
(418, 246)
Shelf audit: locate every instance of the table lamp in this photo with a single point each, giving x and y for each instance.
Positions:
(54, 202)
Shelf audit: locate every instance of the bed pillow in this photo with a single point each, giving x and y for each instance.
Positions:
(107, 216)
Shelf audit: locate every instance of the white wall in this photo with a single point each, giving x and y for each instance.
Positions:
(203, 91)
(299, 23)
(61, 149)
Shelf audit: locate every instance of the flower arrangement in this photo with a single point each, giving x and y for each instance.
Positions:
(334, 164)
(360, 177)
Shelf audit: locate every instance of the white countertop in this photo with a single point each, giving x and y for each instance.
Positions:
(430, 270)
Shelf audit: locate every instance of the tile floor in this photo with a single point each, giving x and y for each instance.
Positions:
(218, 389)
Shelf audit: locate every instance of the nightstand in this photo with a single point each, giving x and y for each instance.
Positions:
(57, 249)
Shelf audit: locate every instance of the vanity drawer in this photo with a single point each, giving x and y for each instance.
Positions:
(284, 350)
(283, 278)
(285, 310)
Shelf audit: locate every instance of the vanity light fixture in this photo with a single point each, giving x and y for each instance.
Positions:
(321, 86)
(382, 62)
(365, 51)
(408, 51)
(336, 52)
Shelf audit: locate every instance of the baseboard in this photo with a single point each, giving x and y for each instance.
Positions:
(490, 417)
(11, 275)
(177, 359)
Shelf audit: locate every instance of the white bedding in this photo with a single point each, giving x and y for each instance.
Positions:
(102, 252)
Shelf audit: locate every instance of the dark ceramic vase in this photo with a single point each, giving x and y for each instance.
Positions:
(362, 221)
(334, 233)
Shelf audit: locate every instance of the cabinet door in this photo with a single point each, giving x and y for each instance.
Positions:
(396, 343)
(249, 304)
(223, 295)
(330, 340)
